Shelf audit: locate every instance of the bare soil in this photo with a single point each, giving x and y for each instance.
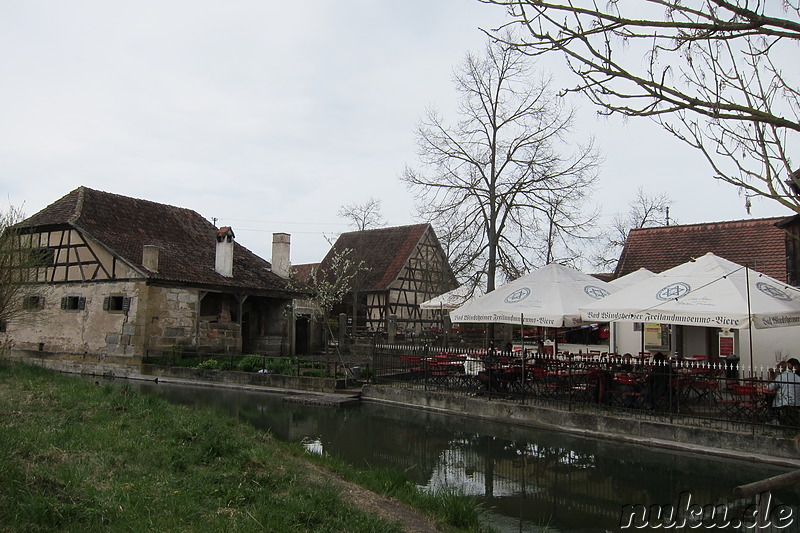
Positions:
(411, 520)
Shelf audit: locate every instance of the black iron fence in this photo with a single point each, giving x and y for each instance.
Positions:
(720, 394)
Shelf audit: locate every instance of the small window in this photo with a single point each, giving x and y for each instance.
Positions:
(73, 303)
(116, 303)
(3, 326)
(33, 302)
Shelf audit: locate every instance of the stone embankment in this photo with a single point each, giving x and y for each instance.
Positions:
(770, 445)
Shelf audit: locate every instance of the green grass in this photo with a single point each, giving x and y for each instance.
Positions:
(450, 507)
(81, 457)
(75, 456)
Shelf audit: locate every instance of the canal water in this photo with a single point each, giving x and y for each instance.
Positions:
(529, 479)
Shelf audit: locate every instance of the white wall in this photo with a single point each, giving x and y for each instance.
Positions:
(769, 345)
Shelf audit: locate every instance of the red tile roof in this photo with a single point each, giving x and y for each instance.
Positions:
(186, 240)
(384, 251)
(302, 273)
(757, 243)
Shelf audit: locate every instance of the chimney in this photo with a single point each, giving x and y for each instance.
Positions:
(150, 257)
(224, 260)
(280, 254)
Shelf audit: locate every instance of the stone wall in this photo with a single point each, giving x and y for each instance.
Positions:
(276, 381)
(171, 317)
(775, 448)
(158, 319)
(88, 329)
(268, 345)
(219, 337)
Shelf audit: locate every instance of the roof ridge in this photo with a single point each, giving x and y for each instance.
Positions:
(387, 228)
(722, 222)
(78, 205)
(124, 197)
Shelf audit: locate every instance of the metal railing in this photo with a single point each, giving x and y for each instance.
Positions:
(700, 393)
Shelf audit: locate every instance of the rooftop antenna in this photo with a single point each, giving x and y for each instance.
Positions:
(667, 209)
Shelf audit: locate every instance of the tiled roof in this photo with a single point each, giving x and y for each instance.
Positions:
(604, 276)
(384, 252)
(302, 273)
(757, 243)
(186, 240)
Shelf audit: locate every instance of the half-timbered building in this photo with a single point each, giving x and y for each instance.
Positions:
(121, 277)
(400, 267)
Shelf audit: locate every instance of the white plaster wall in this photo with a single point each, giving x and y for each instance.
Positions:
(76, 331)
(769, 345)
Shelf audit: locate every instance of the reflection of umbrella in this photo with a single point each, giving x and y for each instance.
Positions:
(709, 291)
(452, 299)
(629, 279)
(549, 297)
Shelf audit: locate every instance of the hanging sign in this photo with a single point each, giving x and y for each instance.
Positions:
(656, 336)
(725, 344)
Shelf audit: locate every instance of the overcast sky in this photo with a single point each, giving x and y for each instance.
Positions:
(269, 116)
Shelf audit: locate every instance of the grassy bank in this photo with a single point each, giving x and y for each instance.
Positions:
(76, 456)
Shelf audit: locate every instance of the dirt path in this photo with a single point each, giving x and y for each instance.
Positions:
(411, 520)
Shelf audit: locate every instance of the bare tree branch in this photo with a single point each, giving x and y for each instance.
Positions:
(644, 211)
(363, 216)
(20, 257)
(720, 75)
(497, 185)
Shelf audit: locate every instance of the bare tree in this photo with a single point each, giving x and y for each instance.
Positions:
(568, 228)
(495, 179)
(329, 284)
(720, 75)
(363, 216)
(644, 211)
(18, 262)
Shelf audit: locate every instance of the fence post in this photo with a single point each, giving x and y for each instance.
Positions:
(425, 367)
(374, 359)
(391, 330)
(569, 381)
(342, 331)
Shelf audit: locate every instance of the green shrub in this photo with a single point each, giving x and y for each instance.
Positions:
(250, 363)
(281, 365)
(209, 364)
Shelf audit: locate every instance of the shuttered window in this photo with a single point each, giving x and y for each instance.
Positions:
(116, 303)
(33, 302)
(73, 303)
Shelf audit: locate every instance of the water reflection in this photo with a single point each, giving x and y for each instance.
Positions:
(528, 477)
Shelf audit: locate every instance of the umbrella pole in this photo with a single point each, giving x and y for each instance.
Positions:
(749, 318)
(442, 332)
(522, 342)
(555, 343)
(642, 337)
